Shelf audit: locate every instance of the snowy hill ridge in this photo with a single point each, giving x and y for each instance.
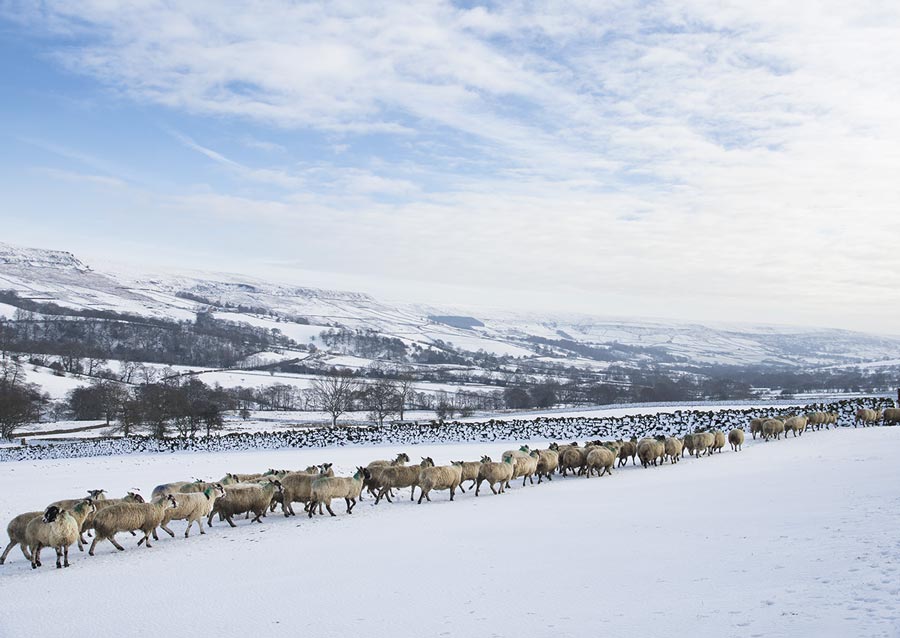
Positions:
(12, 256)
(302, 312)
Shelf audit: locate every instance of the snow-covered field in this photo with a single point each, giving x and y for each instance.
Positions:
(789, 538)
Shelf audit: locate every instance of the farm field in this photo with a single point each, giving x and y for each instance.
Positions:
(789, 538)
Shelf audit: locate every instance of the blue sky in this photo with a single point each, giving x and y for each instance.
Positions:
(693, 160)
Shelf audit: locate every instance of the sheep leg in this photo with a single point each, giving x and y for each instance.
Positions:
(166, 529)
(412, 494)
(65, 556)
(146, 539)
(36, 556)
(59, 558)
(258, 517)
(452, 492)
(328, 507)
(461, 489)
(491, 485)
(9, 547)
(228, 519)
(421, 496)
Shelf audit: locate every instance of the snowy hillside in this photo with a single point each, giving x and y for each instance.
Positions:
(788, 538)
(303, 311)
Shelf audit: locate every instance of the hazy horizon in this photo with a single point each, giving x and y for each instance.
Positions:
(696, 161)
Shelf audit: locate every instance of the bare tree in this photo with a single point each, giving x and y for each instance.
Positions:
(333, 393)
(381, 399)
(93, 365)
(404, 388)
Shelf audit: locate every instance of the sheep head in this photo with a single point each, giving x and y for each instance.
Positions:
(51, 513)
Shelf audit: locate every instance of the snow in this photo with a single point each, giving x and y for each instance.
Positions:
(737, 544)
(7, 311)
(55, 386)
(301, 333)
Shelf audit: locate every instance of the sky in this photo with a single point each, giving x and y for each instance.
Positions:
(709, 161)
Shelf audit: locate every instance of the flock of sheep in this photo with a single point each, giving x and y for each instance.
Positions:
(64, 523)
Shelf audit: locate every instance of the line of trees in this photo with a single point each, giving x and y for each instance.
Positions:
(20, 402)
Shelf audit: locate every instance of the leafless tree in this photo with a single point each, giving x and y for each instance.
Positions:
(404, 388)
(333, 393)
(381, 399)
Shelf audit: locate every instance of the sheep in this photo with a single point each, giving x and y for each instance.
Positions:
(649, 450)
(891, 416)
(16, 531)
(239, 478)
(169, 488)
(525, 466)
(756, 426)
(192, 508)
(326, 488)
(688, 445)
(82, 510)
(495, 473)
(401, 476)
(128, 517)
(673, 448)
(547, 464)
(831, 419)
(278, 497)
(522, 460)
(245, 497)
(470, 471)
(629, 448)
(736, 439)
(796, 424)
(816, 420)
(772, 428)
(718, 441)
(297, 487)
(600, 458)
(866, 416)
(130, 497)
(375, 467)
(58, 529)
(441, 477)
(702, 442)
(571, 457)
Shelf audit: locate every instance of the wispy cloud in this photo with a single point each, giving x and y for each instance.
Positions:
(669, 150)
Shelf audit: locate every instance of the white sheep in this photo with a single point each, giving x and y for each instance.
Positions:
(128, 517)
(400, 476)
(192, 508)
(245, 497)
(470, 471)
(673, 448)
(796, 424)
(326, 488)
(772, 428)
(58, 529)
(601, 459)
(548, 461)
(736, 439)
(442, 477)
(297, 488)
(16, 531)
(495, 473)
